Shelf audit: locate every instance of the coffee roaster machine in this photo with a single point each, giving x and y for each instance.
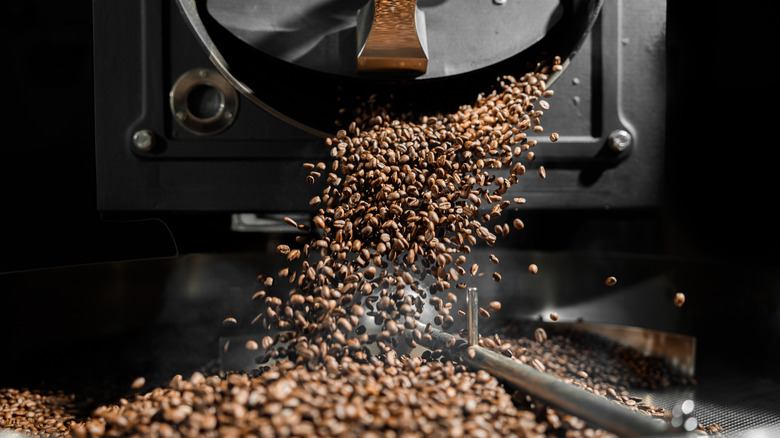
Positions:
(205, 111)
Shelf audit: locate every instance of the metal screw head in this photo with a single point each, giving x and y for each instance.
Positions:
(144, 140)
(619, 140)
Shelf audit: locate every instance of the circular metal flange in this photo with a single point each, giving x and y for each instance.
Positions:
(203, 101)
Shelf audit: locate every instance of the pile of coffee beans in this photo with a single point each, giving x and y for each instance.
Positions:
(26, 411)
(385, 396)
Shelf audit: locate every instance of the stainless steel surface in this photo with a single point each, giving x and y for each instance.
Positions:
(678, 351)
(744, 405)
(391, 38)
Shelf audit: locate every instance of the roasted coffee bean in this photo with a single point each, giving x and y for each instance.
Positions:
(494, 306)
(553, 316)
(138, 383)
(679, 299)
(258, 295)
(540, 335)
(610, 281)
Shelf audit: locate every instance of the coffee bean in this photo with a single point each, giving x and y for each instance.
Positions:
(610, 281)
(532, 268)
(540, 335)
(679, 299)
(258, 295)
(138, 383)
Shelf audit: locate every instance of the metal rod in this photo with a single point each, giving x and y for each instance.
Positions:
(590, 407)
(473, 315)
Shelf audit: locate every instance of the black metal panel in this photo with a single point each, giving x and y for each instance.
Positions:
(254, 165)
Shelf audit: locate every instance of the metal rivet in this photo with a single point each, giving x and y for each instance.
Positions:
(144, 140)
(619, 140)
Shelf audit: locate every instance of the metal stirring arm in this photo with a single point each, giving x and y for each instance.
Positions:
(590, 407)
(391, 37)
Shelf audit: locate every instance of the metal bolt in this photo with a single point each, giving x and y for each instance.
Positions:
(144, 140)
(472, 307)
(619, 140)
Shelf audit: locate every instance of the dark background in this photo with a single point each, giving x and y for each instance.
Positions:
(721, 169)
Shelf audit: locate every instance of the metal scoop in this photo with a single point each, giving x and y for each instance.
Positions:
(391, 37)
